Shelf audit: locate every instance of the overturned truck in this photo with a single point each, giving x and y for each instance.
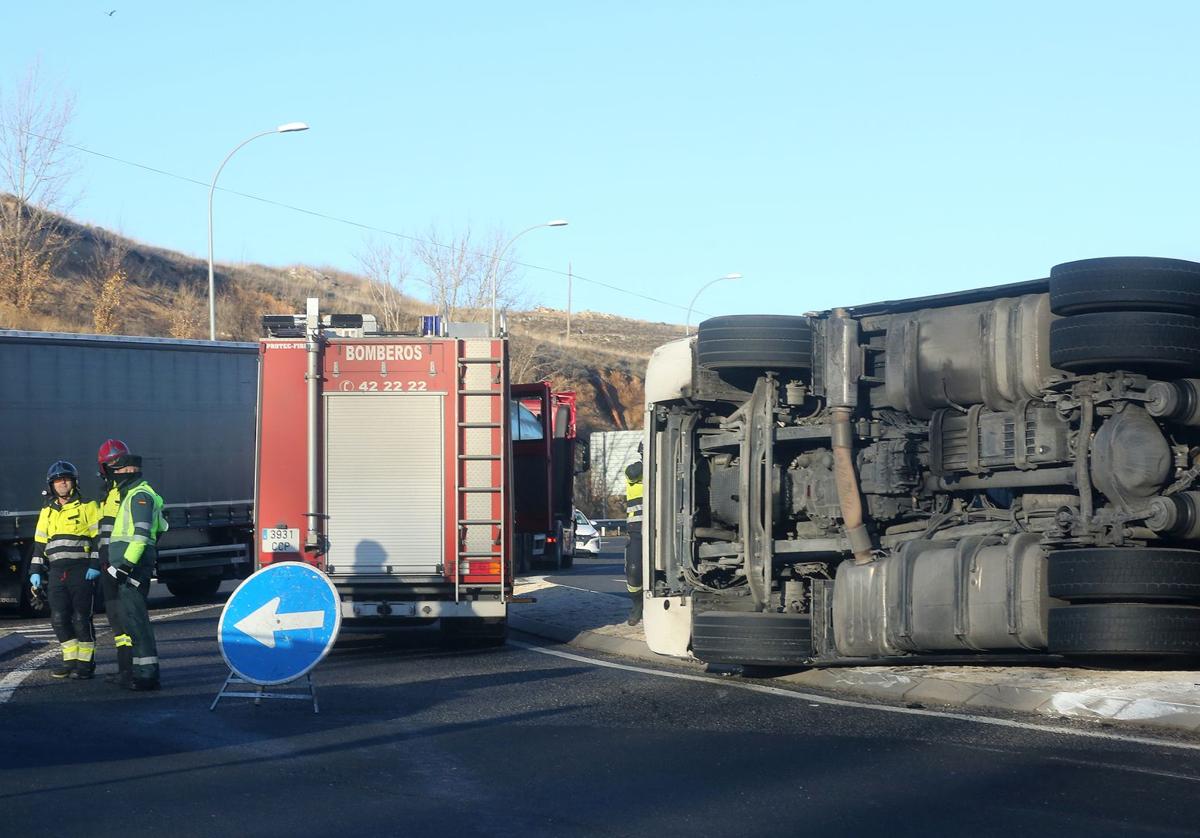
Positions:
(1008, 470)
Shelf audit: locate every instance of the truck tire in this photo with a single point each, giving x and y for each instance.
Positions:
(1125, 283)
(758, 341)
(1125, 575)
(1124, 629)
(1128, 340)
(752, 638)
(195, 588)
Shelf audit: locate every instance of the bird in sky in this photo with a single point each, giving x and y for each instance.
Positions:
(113, 12)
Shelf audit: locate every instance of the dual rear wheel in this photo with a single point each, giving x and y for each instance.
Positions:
(1125, 602)
(1132, 313)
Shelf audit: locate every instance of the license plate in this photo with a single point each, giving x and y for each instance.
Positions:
(281, 541)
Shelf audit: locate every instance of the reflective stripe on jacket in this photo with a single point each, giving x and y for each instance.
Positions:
(633, 493)
(138, 524)
(108, 514)
(66, 532)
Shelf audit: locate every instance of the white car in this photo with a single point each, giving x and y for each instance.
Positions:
(587, 537)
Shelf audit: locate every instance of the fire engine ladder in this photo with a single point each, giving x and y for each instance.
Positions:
(479, 497)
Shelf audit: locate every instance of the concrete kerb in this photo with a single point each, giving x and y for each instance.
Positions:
(1163, 700)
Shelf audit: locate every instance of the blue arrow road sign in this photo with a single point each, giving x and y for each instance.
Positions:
(279, 623)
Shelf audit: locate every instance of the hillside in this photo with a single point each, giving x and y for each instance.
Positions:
(164, 293)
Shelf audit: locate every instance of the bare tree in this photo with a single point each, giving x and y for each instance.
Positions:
(458, 272)
(386, 267)
(108, 278)
(531, 358)
(35, 168)
(188, 310)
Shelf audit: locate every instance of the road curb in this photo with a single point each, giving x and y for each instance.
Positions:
(1061, 701)
(584, 639)
(12, 643)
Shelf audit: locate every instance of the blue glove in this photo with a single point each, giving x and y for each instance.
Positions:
(92, 574)
(35, 580)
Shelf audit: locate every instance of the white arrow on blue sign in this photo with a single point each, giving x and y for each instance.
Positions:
(279, 623)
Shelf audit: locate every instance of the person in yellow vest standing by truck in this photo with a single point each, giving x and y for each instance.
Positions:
(132, 554)
(65, 549)
(633, 549)
(110, 452)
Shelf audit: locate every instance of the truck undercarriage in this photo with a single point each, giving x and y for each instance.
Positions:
(1007, 470)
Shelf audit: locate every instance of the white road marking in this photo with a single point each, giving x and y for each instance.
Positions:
(860, 705)
(10, 682)
(585, 590)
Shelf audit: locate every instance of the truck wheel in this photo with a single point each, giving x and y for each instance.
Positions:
(1136, 629)
(1128, 340)
(752, 638)
(478, 632)
(1125, 283)
(1123, 575)
(195, 588)
(759, 341)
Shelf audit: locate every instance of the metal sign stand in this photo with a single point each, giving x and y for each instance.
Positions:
(260, 692)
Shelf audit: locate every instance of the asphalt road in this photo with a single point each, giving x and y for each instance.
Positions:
(419, 738)
(604, 573)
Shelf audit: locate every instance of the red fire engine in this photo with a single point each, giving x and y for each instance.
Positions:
(545, 463)
(384, 461)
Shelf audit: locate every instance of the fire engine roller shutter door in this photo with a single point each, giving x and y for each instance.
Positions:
(383, 483)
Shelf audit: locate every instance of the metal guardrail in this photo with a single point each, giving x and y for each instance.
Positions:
(611, 526)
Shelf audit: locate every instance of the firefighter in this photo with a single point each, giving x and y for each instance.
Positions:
(109, 452)
(131, 556)
(65, 549)
(633, 549)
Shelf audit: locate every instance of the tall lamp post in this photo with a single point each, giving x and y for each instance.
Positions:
(687, 324)
(286, 128)
(496, 262)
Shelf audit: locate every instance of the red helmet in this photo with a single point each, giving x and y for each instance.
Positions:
(111, 451)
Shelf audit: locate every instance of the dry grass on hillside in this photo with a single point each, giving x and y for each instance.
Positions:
(165, 293)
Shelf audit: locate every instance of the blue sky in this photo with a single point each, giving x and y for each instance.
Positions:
(833, 153)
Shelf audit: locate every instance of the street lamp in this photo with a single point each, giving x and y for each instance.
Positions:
(286, 128)
(687, 324)
(496, 262)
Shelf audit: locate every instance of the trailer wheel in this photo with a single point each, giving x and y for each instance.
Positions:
(1124, 629)
(752, 638)
(1129, 340)
(1125, 575)
(758, 341)
(477, 632)
(195, 588)
(1125, 283)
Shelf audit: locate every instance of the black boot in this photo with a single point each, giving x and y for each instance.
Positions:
(84, 670)
(635, 612)
(63, 671)
(124, 674)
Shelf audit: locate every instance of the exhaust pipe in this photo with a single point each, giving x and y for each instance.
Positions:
(847, 487)
(843, 365)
